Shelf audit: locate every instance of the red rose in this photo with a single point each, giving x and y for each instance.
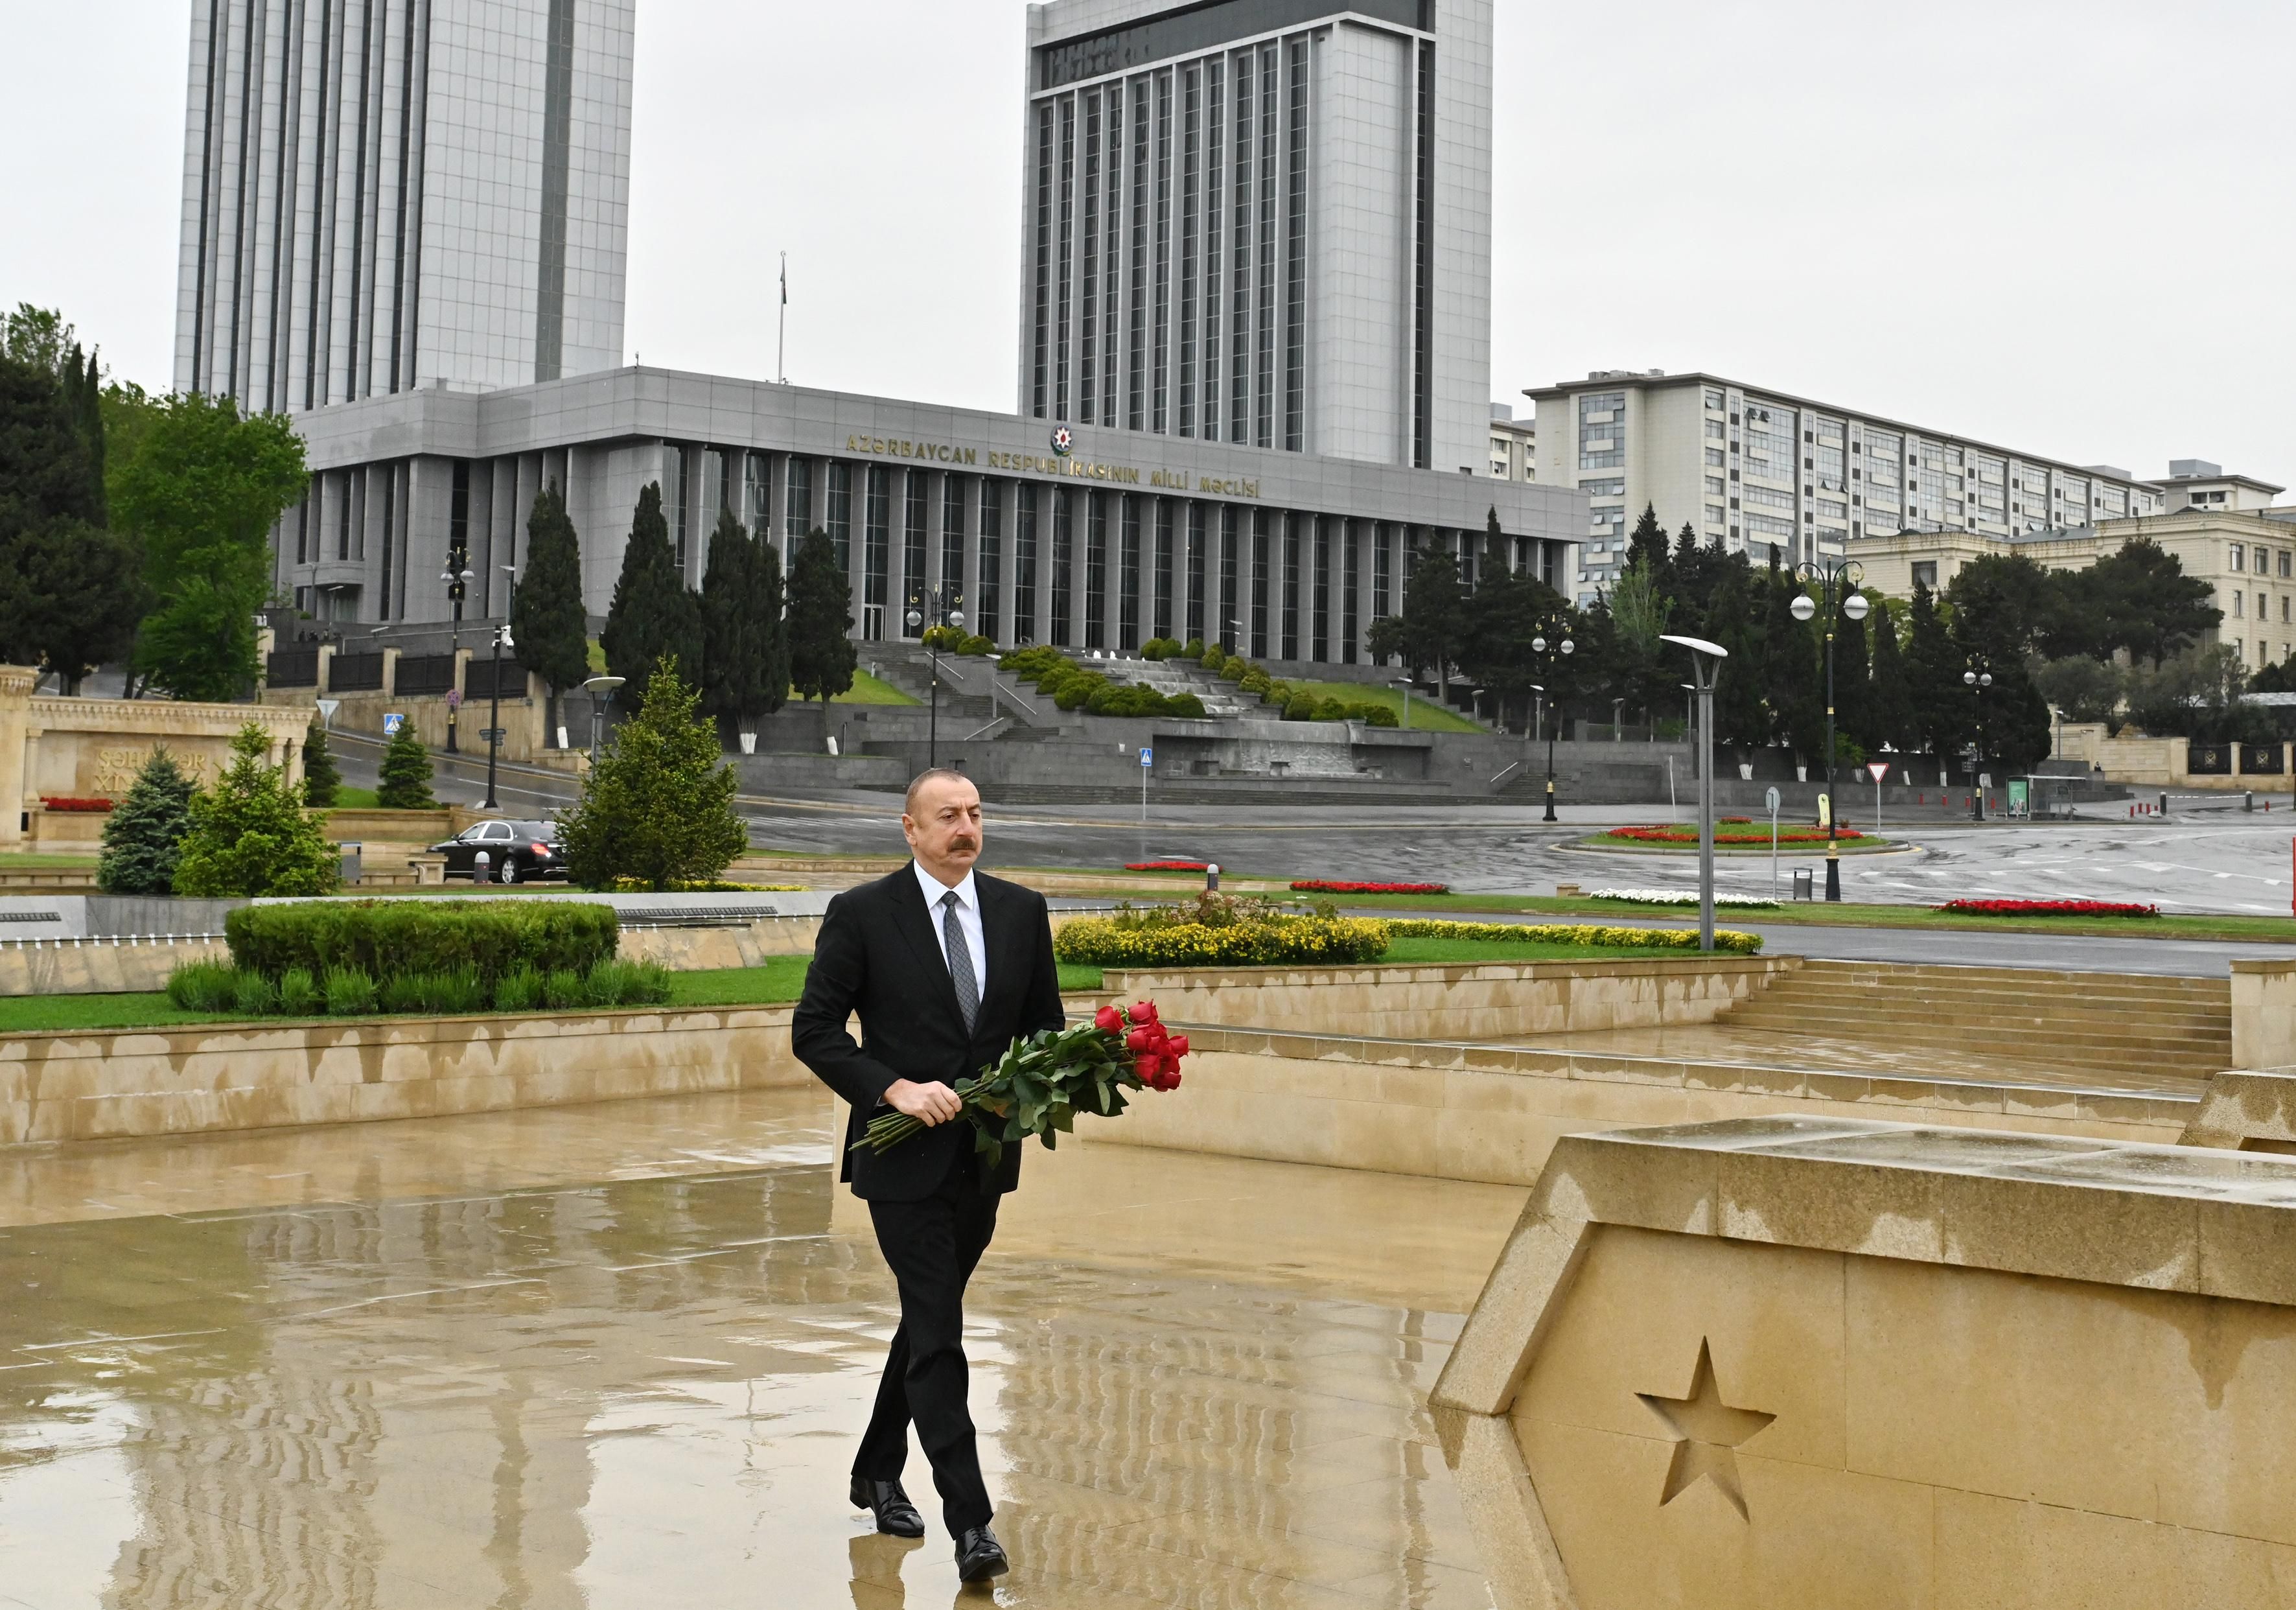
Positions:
(1143, 1012)
(1108, 1020)
(1140, 1039)
(1147, 1067)
(1177, 1046)
(1171, 1065)
(1172, 1080)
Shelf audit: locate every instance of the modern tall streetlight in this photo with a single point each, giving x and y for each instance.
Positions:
(1405, 684)
(1836, 582)
(938, 604)
(494, 721)
(1554, 651)
(601, 690)
(1706, 667)
(1977, 681)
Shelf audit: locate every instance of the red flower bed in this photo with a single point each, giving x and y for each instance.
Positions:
(1167, 866)
(2049, 908)
(1678, 834)
(66, 802)
(1321, 886)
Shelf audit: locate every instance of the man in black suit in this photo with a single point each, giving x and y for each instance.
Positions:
(946, 968)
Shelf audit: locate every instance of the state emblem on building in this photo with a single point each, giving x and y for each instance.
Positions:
(1062, 441)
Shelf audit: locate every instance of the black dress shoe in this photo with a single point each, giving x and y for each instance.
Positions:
(980, 1556)
(896, 1516)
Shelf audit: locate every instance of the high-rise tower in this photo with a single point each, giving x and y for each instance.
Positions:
(384, 194)
(1264, 222)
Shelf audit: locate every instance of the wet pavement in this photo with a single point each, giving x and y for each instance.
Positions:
(617, 1356)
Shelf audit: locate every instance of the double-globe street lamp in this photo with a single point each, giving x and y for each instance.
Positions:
(1552, 651)
(1836, 582)
(458, 575)
(1977, 680)
(494, 719)
(939, 607)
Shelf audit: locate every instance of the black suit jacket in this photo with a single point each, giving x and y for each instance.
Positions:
(879, 956)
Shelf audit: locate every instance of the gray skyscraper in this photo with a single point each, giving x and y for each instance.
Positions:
(1262, 222)
(385, 194)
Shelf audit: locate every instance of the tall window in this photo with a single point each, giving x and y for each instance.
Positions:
(1088, 305)
(989, 591)
(876, 549)
(1222, 630)
(1063, 566)
(1382, 571)
(1350, 580)
(1214, 227)
(913, 554)
(1095, 567)
(1163, 250)
(1111, 253)
(1136, 412)
(840, 512)
(1191, 237)
(1025, 499)
(1263, 432)
(1044, 267)
(1320, 621)
(1259, 556)
(1422, 270)
(1602, 430)
(1162, 624)
(1195, 615)
(1238, 385)
(1295, 254)
(797, 501)
(1290, 586)
(1067, 259)
(952, 535)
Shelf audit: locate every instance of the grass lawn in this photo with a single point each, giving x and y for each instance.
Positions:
(347, 798)
(867, 689)
(1426, 714)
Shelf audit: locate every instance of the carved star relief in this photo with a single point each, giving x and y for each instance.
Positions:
(1707, 1430)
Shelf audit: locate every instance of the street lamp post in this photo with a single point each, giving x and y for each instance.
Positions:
(1405, 684)
(1977, 681)
(494, 721)
(1553, 652)
(601, 690)
(1836, 581)
(938, 604)
(1705, 666)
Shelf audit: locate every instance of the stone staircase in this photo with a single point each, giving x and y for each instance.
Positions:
(2110, 1021)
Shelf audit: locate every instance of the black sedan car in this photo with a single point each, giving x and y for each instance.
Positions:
(516, 852)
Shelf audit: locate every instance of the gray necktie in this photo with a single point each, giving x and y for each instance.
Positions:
(960, 961)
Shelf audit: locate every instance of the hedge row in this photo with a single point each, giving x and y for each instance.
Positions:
(1570, 934)
(341, 992)
(392, 939)
(1104, 942)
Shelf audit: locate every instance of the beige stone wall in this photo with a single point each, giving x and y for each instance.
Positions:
(1494, 1113)
(89, 1087)
(1471, 1001)
(93, 748)
(2264, 1013)
(1801, 1364)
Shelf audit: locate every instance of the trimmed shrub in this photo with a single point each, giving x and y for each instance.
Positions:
(519, 990)
(1299, 707)
(299, 994)
(1194, 649)
(387, 939)
(1109, 942)
(1573, 933)
(1185, 704)
(203, 987)
(350, 992)
(975, 646)
(1213, 658)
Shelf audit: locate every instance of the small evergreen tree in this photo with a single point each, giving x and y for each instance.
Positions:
(1941, 713)
(322, 777)
(659, 807)
(547, 621)
(1890, 715)
(654, 615)
(822, 657)
(143, 839)
(250, 835)
(745, 642)
(405, 772)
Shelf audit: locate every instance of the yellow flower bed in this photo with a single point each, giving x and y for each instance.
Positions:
(1104, 942)
(1566, 933)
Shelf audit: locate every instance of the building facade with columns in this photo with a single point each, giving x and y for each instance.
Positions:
(1119, 538)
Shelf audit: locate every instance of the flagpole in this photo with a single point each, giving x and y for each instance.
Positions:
(781, 342)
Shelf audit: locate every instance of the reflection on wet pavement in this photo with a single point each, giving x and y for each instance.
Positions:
(1200, 1381)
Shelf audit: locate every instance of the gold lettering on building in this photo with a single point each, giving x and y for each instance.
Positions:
(1168, 479)
(889, 446)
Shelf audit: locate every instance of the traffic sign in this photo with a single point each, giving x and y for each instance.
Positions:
(1147, 755)
(1770, 799)
(391, 723)
(488, 734)
(1880, 769)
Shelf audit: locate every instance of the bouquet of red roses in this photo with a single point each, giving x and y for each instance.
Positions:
(1043, 1080)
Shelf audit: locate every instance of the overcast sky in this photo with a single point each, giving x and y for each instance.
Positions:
(2064, 227)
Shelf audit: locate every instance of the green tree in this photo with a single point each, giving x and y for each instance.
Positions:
(659, 807)
(2085, 689)
(821, 655)
(2002, 603)
(1853, 700)
(745, 670)
(547, 621)
(202, 494)
(1640, 613)
(143, 839)
(1736, 618)
(1890, 707)
(322, 779)
(1504, 615)
(1933, 667)
(2146, 605)
(250, 835)
(406, 773)
(654, 615)
(1434, 621)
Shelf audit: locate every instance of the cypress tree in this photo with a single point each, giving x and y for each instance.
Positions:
(654, 615)
(1852, 695)
(406, 773)
(1940, 713)
(1889, 715)
(143, 837)
(70, 592)
(745, 644)
(547, 620)
(322, 777)
(822, 658)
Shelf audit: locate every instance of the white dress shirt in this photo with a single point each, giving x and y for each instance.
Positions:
(968, 919)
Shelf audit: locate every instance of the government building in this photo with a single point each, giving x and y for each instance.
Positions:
(1254, 349)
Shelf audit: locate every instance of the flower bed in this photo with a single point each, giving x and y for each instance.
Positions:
(1575, 933)
(1678, 897)
(1320, 886)
(1113, 942)
(1167, 866)
(1676, 833)
(2048, 908)
(67, 803)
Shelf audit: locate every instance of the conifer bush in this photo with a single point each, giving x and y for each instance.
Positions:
(143, 840)
(406, 773)
(322, 779)
(250, 835)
